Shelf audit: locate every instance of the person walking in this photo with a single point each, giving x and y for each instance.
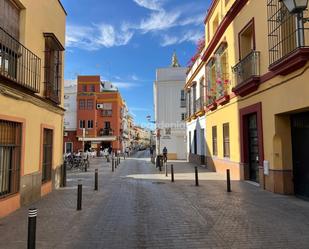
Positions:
(164, 154)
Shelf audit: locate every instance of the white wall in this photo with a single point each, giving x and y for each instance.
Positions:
(70, 105)
(167, 94)
(197, 124)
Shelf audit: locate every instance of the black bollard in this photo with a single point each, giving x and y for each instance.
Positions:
(64, 175)
(113, 164)
(32, 214)
(166, 170)
(79, 195)
(119, 158)
(172, 172)
(228, 181)
(96, 179)
(196, 176)
(116, 162)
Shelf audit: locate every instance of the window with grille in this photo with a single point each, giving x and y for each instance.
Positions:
(84, 88)
(81, 104)
(91, 88)
(47, 155)
(226, 140)
(89, 104)
(53, 68)
(10, 157)
(214, 141)
(282, 30)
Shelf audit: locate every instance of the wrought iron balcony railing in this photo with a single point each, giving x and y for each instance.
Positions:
(199, 104)
(247, 68)
(106, 132)
(18, 64)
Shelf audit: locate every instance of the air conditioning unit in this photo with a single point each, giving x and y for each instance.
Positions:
(100, 106)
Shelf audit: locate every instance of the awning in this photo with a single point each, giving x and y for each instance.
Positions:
(98, 139)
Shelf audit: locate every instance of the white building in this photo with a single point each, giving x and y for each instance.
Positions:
(196, 118)
(70, 120)
(170, 110)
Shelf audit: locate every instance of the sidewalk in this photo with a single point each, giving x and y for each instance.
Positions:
(138, 207)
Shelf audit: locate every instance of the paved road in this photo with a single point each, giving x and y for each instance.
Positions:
(138, 207)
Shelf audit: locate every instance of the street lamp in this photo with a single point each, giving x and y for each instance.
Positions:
(297, 7)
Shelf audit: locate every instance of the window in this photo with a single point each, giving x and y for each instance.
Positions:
(10, 156)
(107, 125)
(226, 140)
(53, 67)
(195, 142)
(68, 147)
(182, 95)
(222, 70)
(47, 154)
(82, 124)
(190, 146)
(90, 124)
(84, 88)
(183, 116)
(214, 141)
(194, 97)
(168, 131)
(106, 113)
(246, 40)
(91, 88)
(9, 18)
(89, 104)
(81, 104)
(211, 81)
(215, 25)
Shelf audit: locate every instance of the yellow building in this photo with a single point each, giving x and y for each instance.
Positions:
(257, 120)
(32, 37)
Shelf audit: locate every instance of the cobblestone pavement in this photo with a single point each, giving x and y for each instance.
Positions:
(138, 207)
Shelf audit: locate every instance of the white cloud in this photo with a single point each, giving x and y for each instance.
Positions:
(149, 4)
(189, 36)
(125, 85)
(159, 21)
(70, 82)
(134, 77)
(96, 36)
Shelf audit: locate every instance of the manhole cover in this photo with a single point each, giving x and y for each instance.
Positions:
(158, 182)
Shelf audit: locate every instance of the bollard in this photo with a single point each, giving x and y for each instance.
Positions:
(119, 158)
(196, 176)
(172, 172)
(228, 181)
(79, 195)
(113, 164)
(96, 179)
(116, 162)
(32, 214)
(166, 173)
(64, 176)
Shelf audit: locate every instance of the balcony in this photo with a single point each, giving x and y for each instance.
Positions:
(106, 113)
(106, 132)
(18, 65)
(199, 104)
(247, 73)
(288, 39)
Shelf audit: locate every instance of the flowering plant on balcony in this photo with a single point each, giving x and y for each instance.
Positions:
(199, 48)
(223, 86)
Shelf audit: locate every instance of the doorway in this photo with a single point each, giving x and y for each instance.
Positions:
(253, 148)
(300, 145)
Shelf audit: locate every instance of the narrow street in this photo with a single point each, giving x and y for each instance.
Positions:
(138, 207)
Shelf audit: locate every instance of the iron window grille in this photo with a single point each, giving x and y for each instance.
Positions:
(226, 140)
(282, 31)
(53, 68)
(10, 157)
(47, 155)
(214, 141)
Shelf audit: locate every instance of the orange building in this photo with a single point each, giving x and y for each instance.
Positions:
(99, 115)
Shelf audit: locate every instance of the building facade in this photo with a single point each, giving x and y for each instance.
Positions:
(196, 117)
(170, 110)
(99, 116)
(31, 100)
(256, 61)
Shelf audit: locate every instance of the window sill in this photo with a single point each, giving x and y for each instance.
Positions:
(291, 62)
(248, 86)
(212, 106)
(223, 100)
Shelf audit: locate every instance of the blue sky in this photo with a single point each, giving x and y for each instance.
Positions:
(124, 41)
